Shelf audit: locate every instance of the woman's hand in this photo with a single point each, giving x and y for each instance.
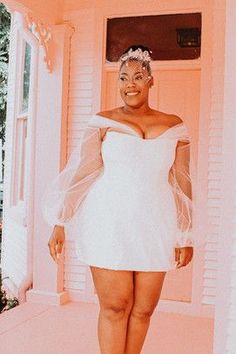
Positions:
(183, 256)
(56, 242)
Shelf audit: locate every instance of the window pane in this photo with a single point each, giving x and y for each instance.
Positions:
(18, 188)
(169, 37)
(26, 78)
(23, 162)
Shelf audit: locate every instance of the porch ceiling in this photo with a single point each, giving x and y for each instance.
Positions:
(50, 12)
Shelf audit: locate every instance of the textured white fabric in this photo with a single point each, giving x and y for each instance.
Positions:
(64, 194)
(126, 200)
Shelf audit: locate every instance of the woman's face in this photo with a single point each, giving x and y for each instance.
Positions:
(134, 83)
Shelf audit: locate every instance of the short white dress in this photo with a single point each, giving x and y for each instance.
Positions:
(120, 199)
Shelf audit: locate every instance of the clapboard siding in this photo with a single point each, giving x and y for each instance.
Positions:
(214, 210)
(231, 330)
(215, 136)
(81, 85)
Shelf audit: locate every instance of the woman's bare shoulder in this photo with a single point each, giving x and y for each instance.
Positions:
(112, 113)
(106, 114)
(168, 119)
(174, 119)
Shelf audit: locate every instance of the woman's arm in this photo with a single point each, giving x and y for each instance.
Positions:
(180, 181)
(65, 193)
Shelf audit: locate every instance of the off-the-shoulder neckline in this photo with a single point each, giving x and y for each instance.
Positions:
(135, 132)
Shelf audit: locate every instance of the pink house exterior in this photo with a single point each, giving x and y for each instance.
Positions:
(69, 81)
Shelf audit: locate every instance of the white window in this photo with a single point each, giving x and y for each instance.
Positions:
(21, 122)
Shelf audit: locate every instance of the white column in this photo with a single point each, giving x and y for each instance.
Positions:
(225, 325)
(51, 144)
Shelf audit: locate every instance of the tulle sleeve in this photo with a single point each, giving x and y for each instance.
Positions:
(66, 191)
(180, 180)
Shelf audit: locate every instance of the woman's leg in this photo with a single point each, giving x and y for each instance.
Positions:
(147, 290)
(115, 294)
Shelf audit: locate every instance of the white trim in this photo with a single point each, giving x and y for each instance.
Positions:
(108, 11)
(194, 64)
(24, 34)
(46, 297)
(19, 213)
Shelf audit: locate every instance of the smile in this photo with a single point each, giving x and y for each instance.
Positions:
(132, 93)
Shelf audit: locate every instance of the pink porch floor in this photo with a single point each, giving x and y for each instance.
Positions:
(71, 329)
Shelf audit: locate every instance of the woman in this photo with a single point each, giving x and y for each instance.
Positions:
(126, 195)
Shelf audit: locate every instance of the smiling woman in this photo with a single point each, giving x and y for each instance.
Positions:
(135, 75)
(126, 196)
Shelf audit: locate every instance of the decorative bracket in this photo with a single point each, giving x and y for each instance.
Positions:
(44, 35)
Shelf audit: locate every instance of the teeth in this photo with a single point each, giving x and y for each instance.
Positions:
(132, 93)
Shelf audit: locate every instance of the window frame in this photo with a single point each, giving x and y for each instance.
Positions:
(23, 123)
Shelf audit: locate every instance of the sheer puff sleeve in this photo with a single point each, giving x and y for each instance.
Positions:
(66, 191)
(180, 181)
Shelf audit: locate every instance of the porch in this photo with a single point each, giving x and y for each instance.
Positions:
(34, 328)
(68, 61)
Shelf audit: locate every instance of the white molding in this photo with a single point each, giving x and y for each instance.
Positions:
(41, 30)
(108, 11)
(43, 33)
(186, 308)
(46, 297)
(194, 64)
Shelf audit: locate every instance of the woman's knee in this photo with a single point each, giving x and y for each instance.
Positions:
(142, 313)
(117, 308)
(114, 290)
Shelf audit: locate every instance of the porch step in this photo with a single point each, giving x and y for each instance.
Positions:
(71, 329)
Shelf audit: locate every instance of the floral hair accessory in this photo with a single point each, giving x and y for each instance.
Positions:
(136, 54)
